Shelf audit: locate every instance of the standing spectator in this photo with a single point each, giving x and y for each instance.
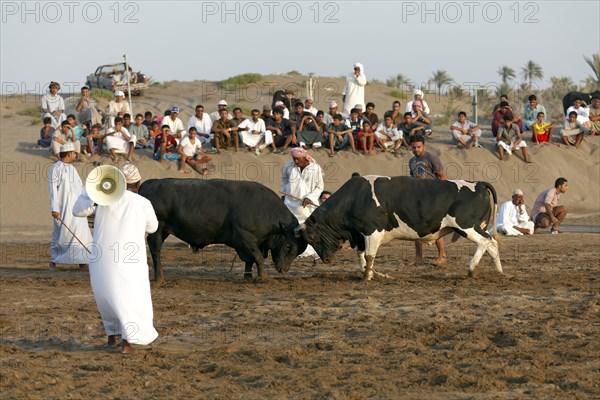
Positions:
(140, 132)
(120, 284)
(53, 105)
(465, 132)
(203, 124)
(509, 139)
(371, 116)
(426, 165)
(541, 130)
(418, 96)
(46, 133)
(532, 109)
(354, 90)
(512, 218)
(87, 109)
(117, 108)
(64, 187)
(546, 210)
(226, 132)
(191, 153)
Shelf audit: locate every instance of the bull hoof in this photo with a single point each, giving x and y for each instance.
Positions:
(472, 274)
(248, 276)
(159, 282)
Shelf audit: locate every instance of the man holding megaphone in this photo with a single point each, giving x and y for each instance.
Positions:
(119, 269)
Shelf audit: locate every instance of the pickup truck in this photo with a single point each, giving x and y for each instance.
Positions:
(113, 77)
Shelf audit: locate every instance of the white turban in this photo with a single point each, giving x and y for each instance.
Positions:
(420, 93)
(362, 68)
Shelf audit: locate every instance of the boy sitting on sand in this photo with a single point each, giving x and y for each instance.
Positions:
(542, 130)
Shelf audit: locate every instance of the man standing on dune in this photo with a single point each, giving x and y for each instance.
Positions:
(354, 91)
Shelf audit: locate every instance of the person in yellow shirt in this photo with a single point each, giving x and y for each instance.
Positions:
(542, 130)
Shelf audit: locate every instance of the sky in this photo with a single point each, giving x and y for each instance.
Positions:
(65, 41)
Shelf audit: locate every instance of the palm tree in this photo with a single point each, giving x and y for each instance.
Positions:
(506, 73)
(531, 71)
(594, 64)
(440, 78)
(397, 81)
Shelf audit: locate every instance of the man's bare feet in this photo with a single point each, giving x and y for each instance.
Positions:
(439, 262)
(416, 261)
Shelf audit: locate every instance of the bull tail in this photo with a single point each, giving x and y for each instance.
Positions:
(492, 218)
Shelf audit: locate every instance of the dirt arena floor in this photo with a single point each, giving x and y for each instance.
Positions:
(319, 332)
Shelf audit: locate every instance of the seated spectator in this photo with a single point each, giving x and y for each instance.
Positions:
(87, 109)
(191, 153)
(509, 139)
(53, 106)
(418, 96)
(310, 131)
(79, 133)
(62, 136)
(396, 114)
(279, 132)
(165, 145)
(148, 119)
(339, 135)
(420, 117)
(595, 116)
(541, 130)
(127, 121)
(573, 128)
(117, 108)
(46, 133)
(365, 139)
(371, 116)
(354, 121)
(267, 113)
(120, 141)
(225, 132)
(582, 110)
(284, 109)
(465, 133)
(388, 135)
(512, 218)
(409, 129)
(216, 115)
(297, 115)
(94, 135)
(238, 117)
(308, 106)
(286, 96)
(175, 124)
(252, 132)
(503, 98)
(140, 132)
(532, 109)
(154, 130)
(333, 110)
(504, 110)
(203, 124)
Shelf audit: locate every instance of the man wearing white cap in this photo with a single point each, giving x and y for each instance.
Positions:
(117, 108)
(175, 124)
(512, 218)
(64, 187)
(418, 95)
(118, 265)
(216, 115)
(354, 91)
(333, 110)
(284, 110)
(308, 106)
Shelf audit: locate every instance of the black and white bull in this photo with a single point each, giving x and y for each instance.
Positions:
(246, 216)
(369, 211)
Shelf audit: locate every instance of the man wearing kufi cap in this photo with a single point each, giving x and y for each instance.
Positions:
(354, 91)
(117, 108)
(216, 115)
(175, 124)
(64, 187)
(512, 218)
(118, 264)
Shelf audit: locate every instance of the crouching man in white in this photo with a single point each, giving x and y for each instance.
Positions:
(119, 140)
(512, 218)
(119, 270)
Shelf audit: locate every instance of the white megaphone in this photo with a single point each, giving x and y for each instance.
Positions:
(105, 185)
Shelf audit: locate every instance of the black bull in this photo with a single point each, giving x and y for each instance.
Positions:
(369, 211)
(246, 216)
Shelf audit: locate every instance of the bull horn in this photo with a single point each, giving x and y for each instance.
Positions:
(298, 231)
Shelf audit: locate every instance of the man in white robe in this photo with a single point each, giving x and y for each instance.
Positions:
(203, 124)
(64, 187)
(252, 131)
(302, 178)
(512, 218)
(118, 265)
(354, 91)
(53, 105)
(119, 140)
(117, 108)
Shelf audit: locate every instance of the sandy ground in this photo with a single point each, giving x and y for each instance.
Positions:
(319, 332)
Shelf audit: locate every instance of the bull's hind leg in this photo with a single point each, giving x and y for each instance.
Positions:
(484, 243)
(362, 262)
(372, 243)
(155, 242)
